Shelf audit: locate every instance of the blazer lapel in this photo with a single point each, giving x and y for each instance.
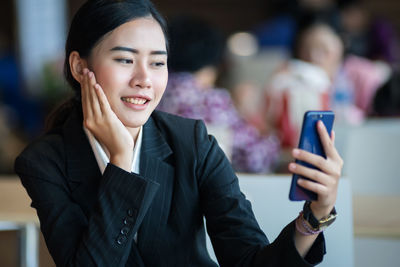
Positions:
(82, 169)
(154, 166)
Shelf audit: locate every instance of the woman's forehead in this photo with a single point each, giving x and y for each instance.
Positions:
(142, 33)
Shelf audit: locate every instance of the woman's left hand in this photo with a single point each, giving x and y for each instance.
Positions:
(325, 180)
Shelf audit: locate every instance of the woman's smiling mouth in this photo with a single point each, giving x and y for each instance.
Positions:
(134, 100)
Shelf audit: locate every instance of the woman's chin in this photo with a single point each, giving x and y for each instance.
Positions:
(135, 124)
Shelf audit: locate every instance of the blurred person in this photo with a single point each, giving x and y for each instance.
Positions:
(367, 36)
(344, 83)
(195, 54)
(276, 36)
(116, 183)
(280, 29)
(386, 101)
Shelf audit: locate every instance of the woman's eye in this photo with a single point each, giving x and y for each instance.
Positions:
(124, 60)
(158, 64)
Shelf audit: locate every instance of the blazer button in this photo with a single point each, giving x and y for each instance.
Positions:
(125, 230)
(121, 239)
(131, 212)
(128, 221)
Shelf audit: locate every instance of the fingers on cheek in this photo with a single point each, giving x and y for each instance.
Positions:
(92, 79)
(99, 93)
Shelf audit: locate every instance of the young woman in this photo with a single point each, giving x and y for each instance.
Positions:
(116, 183)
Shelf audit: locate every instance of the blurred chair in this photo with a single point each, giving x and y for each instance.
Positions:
(371, 154)
(16, 214)
(273, 210)
(224, 137)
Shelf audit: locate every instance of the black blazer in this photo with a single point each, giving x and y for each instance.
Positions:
(90, 219)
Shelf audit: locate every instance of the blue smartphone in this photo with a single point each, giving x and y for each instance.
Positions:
(310, 141)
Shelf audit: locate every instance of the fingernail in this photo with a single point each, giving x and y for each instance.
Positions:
(292, 166)
(300, 181)
(85, 71)
(90, 74)
(321, 124)
(296, 152)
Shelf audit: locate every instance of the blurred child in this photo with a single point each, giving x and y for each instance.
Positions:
(195, 52)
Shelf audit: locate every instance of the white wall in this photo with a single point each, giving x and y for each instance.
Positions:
(41, 34)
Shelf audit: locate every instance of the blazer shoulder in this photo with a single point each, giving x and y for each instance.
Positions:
(42, 152)
(168, 120)
(173, 124)
(190, 135)
(185, 129)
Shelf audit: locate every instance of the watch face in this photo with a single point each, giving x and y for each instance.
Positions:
(325, 222)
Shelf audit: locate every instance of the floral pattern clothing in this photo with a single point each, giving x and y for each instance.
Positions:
(251, 152)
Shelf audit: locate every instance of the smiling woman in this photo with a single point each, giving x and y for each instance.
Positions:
(125, 62)
(116, 183)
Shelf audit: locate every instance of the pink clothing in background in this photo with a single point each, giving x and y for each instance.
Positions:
(366, 78)
(251, 152)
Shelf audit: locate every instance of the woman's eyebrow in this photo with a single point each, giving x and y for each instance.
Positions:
(135, 51)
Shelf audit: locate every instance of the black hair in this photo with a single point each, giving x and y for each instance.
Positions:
(386, 102)
(344, 4)
(309, 20)
(95, 19)
(193, 44)
(279, 7)
(91, 23)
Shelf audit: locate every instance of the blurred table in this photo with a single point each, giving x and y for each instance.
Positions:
(376, 216)
(16, 214)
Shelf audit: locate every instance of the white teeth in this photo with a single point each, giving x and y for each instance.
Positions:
(136, 101)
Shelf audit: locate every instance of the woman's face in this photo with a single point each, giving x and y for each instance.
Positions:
(321, 46)
(130, 64)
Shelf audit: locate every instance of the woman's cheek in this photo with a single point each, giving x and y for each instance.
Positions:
(161, 81)
(107, 73)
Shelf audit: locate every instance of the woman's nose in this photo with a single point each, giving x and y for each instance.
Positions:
(140, 77)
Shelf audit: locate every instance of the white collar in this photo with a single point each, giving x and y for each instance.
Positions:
(103, 156)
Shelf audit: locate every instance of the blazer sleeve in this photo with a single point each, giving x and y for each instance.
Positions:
(234, 232)
(105, 237)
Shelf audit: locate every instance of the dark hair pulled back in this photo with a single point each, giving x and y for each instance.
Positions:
(91, 23)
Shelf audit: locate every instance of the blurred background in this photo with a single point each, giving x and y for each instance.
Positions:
(278, 58)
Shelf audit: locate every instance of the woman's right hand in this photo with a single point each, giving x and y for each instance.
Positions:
(103, 123)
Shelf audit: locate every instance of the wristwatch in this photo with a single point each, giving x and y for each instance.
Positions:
(318, 225)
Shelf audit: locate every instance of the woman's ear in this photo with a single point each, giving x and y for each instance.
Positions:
(77, 65)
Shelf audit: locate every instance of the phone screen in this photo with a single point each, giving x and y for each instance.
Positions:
(310, 141)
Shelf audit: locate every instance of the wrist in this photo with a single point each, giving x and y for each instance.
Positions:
(303, 227)
(122, 161)
(320, 222)
(319, 212)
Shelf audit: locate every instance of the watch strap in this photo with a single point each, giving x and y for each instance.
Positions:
(314, 222)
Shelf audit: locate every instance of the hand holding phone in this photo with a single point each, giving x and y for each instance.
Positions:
(310, 141)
